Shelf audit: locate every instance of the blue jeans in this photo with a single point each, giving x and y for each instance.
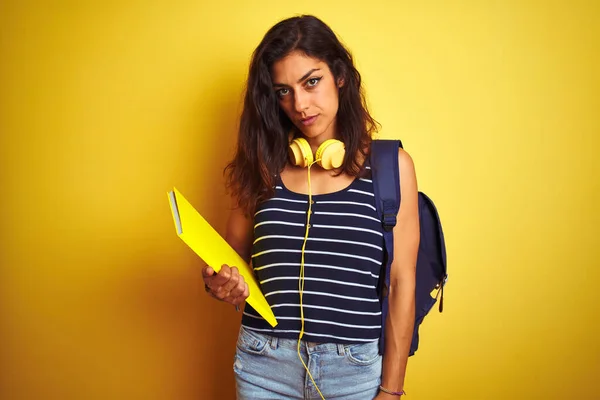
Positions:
(267, 367)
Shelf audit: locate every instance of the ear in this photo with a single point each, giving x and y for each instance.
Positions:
(340, 82)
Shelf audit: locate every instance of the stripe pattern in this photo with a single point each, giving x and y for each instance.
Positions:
(342, 259)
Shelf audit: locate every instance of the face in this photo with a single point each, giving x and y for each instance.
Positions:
(308, 94)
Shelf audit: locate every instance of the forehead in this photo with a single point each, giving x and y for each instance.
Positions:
(294, 66)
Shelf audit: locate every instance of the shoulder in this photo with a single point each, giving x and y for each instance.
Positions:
(405, 160)
(405, 163)
(408, 177)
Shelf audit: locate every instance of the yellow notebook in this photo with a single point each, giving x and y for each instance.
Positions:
(205, 241)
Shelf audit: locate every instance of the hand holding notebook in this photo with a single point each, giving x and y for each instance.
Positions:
(227, 285)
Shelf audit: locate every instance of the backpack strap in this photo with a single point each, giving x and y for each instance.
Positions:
(386, 184)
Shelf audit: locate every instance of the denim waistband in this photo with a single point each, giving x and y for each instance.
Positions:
(308, 347)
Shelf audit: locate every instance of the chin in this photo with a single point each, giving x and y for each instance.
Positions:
(312, 131)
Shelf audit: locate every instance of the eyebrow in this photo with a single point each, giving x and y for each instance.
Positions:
(301, 79)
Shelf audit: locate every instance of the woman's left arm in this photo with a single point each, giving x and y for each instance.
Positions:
(401, 315)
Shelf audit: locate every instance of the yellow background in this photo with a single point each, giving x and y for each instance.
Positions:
(104, 106)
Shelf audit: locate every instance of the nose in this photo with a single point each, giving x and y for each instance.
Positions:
(300, 101)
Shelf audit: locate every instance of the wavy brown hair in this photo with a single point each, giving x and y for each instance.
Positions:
(263, 130)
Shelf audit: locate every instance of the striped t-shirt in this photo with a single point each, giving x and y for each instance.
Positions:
(342, 261)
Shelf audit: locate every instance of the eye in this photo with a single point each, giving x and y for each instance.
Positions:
(312, 82)
(283, 92)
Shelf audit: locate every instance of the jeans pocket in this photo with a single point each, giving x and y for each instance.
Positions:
(363, 354)
(252, 342)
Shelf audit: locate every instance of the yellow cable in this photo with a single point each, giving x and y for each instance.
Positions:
(301, 280)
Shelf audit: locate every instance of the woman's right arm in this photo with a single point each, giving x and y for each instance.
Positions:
(228, 285)
(240, 233)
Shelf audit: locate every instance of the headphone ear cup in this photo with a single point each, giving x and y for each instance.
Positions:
(331, 154)
(300, 153)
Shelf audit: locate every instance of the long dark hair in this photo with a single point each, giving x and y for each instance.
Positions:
(263, 131)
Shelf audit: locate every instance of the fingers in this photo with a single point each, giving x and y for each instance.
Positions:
(222, 277)
(237, 301)
(233, 282)
(207, 272)
(231, 288)
(227, 285)
(238, 289)
(224, 281)
(212, 279)
(239, 293)
(243, 296)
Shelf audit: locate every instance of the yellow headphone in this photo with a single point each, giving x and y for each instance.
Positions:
(329, 155)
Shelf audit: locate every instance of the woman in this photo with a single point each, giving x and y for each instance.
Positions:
(305, 218)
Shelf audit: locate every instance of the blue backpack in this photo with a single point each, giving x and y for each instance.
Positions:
(431, 270)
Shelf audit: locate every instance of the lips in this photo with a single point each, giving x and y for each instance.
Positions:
(309, 121)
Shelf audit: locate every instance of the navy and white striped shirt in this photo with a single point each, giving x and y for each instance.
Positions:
(342, 261)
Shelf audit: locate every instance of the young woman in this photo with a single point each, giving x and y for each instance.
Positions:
(305, 219)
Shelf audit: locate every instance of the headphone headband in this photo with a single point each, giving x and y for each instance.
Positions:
(329, 155)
